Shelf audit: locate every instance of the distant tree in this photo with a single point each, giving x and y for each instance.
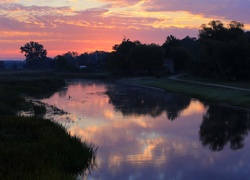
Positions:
(118, 61)
(2, 65)
(215, 31)
(224, 51)
(174, 50)
(181, 58)
(71, 58)
(71, 55)
(191, 44)
(248, 36)
(170, 43)
(192, 47)
(34, 53)
(61, 62)
(146, 59)
(94, 61)
(82, 59)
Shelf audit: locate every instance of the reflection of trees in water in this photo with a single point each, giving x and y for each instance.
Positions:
(223, 125)
(145, 101)
(63, 92)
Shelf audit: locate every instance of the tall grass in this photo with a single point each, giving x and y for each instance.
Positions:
(32, 147)
(35, 148)
(12, 90)
(39, 110)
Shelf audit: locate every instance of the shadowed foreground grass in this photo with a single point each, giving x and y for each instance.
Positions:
(31, 147)
(34, 148)
(202, 92)
(13, 86)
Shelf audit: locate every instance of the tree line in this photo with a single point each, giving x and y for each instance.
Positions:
(220, 51)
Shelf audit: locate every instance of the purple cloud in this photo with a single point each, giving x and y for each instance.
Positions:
(232, 10)
(121, 3)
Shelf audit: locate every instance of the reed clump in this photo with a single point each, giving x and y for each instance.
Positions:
(34, 147)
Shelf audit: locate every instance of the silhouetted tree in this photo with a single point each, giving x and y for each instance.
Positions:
(82, 59)
(248, 42)
(71, 58)
(94, 61)
(2, 65)
(173, 50)
(61, 62)
(181, 58)
(192, 47)
(224, 51)
(34, 53)
(118, 61)
(170, 43)
(215, 31)
(146, 59)
(191, 44)
(248, 37)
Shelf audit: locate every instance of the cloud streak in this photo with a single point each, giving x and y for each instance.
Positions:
(232, 10)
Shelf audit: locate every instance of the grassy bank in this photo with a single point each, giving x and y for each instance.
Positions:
(202, 92)
(15, 85)
(240, 84)
(32, 147)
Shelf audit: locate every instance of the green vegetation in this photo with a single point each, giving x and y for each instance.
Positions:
(39, 110)
(240, 84)
(32, 147)
(203, 92)
(15, 84)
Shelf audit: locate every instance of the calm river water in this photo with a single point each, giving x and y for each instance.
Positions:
(150, 134)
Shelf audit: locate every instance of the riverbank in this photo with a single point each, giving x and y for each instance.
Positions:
(31, 132)
(203, 92)
(33, 147)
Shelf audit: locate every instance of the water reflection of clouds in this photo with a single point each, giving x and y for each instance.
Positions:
(139, 145)
(126, 143)
(194, 107)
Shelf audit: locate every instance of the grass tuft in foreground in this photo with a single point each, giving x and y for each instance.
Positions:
(35, 148)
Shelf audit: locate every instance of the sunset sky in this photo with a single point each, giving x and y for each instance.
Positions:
(89, 25)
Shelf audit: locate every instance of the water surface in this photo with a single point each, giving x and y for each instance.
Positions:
(150, 134)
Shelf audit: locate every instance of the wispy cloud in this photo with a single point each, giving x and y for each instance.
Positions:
(232, 10)
(122, 3)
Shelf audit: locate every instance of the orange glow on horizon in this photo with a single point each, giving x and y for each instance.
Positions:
(87, 26)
